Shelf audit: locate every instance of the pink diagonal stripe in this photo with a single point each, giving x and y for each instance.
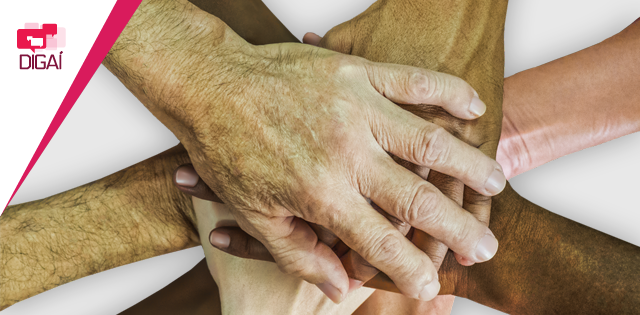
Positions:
(118, 18)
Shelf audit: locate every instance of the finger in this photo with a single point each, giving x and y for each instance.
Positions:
(400, 225)
(297, 251)
(452, 189)
(189, 182)
(410, 85)
(311, 39)
(477, 204)
(236, 242)
(383, 246)
(325, 236)
(435, 249)
(356, 266)
(426, 144)
(480, 207)
(417, 202)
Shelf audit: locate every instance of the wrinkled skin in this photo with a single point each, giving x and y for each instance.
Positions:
(466, 40)
(288, 133)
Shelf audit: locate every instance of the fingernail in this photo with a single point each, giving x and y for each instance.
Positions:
(219, 240)
(477, 107)
(430, 291)
(487, 247)
(496, 182)
(186, 176)
(355, 284)
(331, 292)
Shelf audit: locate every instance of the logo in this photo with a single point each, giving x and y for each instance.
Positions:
(46, 37)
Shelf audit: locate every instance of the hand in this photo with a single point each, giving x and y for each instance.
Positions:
(436, 39)
(230, 239)
(290, 133)
(317, 145)
(238, 243)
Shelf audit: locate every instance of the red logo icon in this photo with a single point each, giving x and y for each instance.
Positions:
(45, 37)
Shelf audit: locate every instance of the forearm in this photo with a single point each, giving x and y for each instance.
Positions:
(159, 57)
(548, 264)
(125, 217)
(572, 103)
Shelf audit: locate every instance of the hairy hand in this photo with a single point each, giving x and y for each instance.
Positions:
(287, 134)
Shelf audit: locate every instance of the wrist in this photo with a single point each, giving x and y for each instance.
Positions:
(163, 194)
(492, 283)
(513, 151)
(162, 54)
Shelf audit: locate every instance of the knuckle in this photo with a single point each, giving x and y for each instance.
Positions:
(386, 249)
(466, 235)
(252, 249)
(439, 86)
(422, 206)
(293, 267)
(337, 39)
(473, 198)
(422, 85)
(322, 209)
(434, 148)
(344, 65)
(293, 262)
(245, 248)
(459, 91)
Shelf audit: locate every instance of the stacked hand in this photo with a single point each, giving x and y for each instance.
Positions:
(427, 42)
(317, 147)
(291, 134)
(231, 239)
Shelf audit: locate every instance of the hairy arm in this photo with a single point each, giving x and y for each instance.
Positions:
(128, 216)
(249, 26)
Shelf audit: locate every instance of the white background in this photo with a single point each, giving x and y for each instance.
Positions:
(108, 129)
